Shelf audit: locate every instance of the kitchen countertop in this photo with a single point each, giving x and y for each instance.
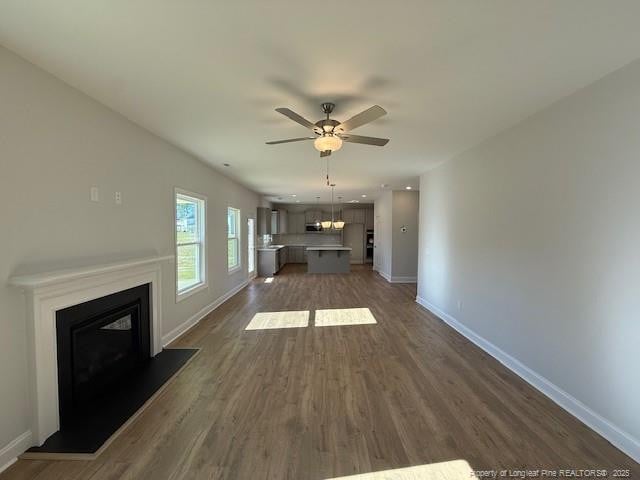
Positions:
(329, 248)
(273, 248)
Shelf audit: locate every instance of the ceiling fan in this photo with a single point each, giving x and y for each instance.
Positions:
(331, 133)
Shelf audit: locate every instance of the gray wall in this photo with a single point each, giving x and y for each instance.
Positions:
(537, 232)
(396, 253)
(55, 143)
(404, 254)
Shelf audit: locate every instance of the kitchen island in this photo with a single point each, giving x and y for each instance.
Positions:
(328, 259)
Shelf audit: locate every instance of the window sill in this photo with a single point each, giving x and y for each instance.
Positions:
(191, 291)
(233, 270)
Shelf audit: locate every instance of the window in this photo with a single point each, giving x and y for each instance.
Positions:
(233, 239)
(251, 245)
(190, 243)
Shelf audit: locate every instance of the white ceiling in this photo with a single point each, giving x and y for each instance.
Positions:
(206, 75)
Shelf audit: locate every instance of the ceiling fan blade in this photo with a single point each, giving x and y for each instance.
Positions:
(369, 115)
(275, 142)
(379, 142)
(326, 153)
(297, 118)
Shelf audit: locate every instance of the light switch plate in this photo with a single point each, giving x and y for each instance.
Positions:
(95, 195)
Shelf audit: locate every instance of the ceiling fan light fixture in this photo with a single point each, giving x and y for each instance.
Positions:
(328, 141)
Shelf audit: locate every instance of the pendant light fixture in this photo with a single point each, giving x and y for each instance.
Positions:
(339, 224)
(331, 223)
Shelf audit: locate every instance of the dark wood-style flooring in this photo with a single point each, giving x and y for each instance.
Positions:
(321, 402)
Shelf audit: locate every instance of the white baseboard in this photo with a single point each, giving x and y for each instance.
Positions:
(195, 319)
(618, 437)
(397, 279)
(384, 275)
(10, 452)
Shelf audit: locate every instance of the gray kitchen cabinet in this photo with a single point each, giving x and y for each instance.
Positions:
(295, 254)
(278, 221)
(268, 262)
(354, 239)
(302, 224)
(368, 219)
(353, 215)
(264, 221)
(283, 224)
(310, 216)
(296, 222)
(284, 256)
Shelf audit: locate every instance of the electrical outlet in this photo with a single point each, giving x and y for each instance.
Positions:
(95, 194)
(118, 198)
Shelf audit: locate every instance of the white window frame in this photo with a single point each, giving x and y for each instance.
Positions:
(238, 237)
(202, 241)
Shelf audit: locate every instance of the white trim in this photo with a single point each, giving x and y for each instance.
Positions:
(397, 279)
(16, 447)
(44, 279)
(385, 275)
(235, 269)
(49, 292)
(195, 319)
(404, 279)
(187, 292)
(614, 434)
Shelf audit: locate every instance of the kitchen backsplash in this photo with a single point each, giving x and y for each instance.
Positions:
(307, 239)
(264, 240)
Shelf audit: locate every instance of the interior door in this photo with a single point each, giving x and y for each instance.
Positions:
(354, 238)
(251, 247)
(376, 251)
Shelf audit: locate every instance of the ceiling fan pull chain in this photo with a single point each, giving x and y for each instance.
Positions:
(328, 172)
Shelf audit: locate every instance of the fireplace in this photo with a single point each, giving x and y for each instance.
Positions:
(51, 291)
(100, 343)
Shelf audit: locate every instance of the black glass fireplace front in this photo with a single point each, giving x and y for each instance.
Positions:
(100, 343)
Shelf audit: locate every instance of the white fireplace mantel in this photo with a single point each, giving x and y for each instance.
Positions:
(49, 292)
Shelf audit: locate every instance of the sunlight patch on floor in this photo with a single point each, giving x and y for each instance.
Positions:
(453, 470)
(344, 316)
(268, 280)
(272, 320)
